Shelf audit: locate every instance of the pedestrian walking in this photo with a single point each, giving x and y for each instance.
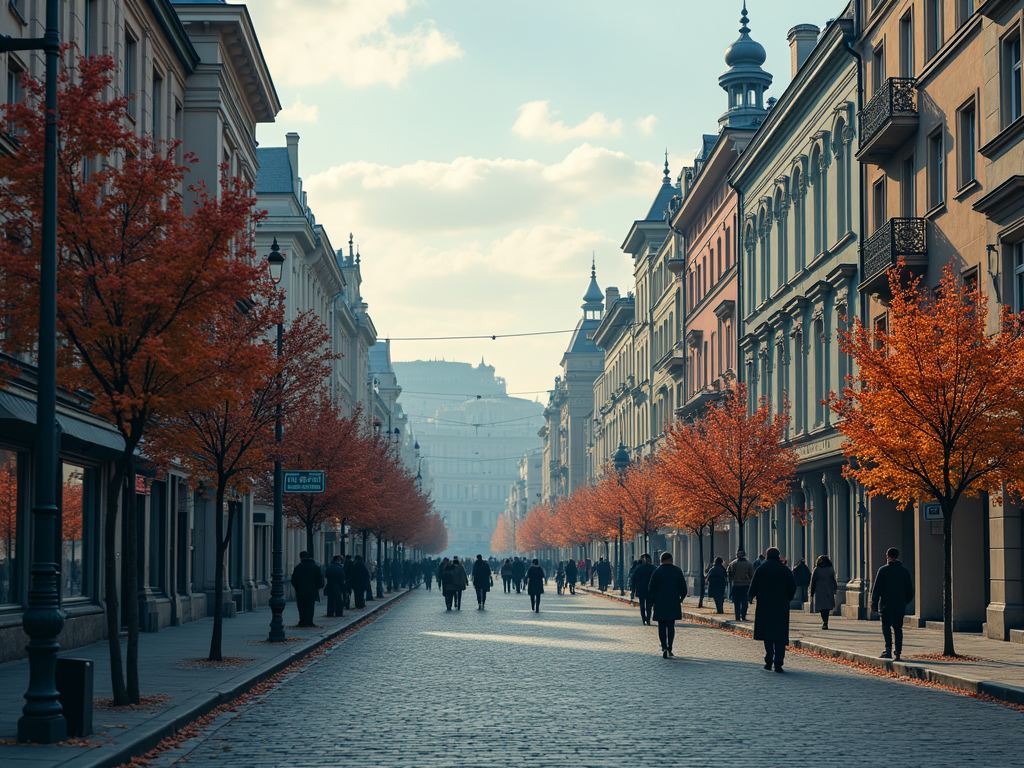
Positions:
(759, 561)
(604, 574)
(641, 586)
(823, 588)
(336, 587)
(740, 572)
(535, 581)
(518, 573)
(348, 564)
(715, 580)
(461, 581)
(560, 577)
(481, 581)
(667, 591)
(359, 581)
(446, 579)
(307, 581)
(802, 576)
(890, 595)
(427, 571)
(572, 572)
(772, 588)
(506, 575)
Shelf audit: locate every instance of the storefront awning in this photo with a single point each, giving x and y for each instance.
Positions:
(18, 418)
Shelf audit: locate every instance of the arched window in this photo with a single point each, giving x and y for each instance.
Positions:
(782, 256)
(763, 231)
(817, 193)
(719, 252)
(799, 233)
(750, 243)
(842, 180)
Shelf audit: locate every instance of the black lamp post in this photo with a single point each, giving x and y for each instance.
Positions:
(42, 720)
(275, 266)
(620, 460)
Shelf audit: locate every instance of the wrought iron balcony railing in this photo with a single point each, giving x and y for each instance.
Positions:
(897, 239)
(889, 118)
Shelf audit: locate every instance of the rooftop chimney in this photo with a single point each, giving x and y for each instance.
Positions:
(611, 295)
(802, 39)
(293, 158)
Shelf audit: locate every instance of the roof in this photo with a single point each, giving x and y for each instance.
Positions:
(660, 207)
(275, 173)
(594, 294)
(582, 342)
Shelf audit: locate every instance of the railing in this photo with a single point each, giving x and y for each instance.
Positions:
(896, 98)
(897, 238)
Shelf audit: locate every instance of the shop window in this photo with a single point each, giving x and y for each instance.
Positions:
(72, 517)
(10, 587)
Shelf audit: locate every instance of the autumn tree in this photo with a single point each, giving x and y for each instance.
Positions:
(634, 495)
(937, 407)
(731, 460)
(8, 522)
(136, 279)
(534, 530)
(501, 539)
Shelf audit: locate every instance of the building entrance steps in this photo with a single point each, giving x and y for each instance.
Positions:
(993, 667)
(169, 666)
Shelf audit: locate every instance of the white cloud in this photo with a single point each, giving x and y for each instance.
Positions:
(472, 194)
(646, 124)
(299, 112)
(354, 42)
(536, 121)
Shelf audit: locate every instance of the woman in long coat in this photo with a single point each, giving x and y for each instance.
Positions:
(481, 581)
(823, 588)
(446, 576)
(461, 581)
(716, 584)
(666, 593)
(535, 579)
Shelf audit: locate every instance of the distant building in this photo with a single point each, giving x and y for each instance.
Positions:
(472, 436)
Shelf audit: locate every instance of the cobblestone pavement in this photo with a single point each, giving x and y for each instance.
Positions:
(583, 683)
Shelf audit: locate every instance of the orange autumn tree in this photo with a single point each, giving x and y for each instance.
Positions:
(730, 460)
(502, 539)
(137, 277)
(937, 407)
(534, 530)
(8, 523)
(634, 494)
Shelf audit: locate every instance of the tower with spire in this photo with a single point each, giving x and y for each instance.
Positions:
(745, 81)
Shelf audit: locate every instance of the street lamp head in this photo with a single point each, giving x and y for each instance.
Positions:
(275, 263)
(620, 460)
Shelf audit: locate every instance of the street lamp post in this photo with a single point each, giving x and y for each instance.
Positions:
(275, 265)
(42, 720)
(621, 463)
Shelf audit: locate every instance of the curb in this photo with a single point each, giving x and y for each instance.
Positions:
(146, 737)
(1009, 694)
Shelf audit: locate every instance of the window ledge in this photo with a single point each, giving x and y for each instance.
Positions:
(936, 211)
(1004, 139)
(971, 186)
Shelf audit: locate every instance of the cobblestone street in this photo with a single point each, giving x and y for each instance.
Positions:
(583, 684)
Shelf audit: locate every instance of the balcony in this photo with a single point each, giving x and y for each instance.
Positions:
(888, 120)
(897, 239)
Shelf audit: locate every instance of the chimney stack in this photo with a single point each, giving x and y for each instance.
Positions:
(293, 158)
(611, 295)
(802, 39)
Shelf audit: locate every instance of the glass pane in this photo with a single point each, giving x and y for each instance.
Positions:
(72, 497)
(8, 527)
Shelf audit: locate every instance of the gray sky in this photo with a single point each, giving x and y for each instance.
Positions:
(481, 150)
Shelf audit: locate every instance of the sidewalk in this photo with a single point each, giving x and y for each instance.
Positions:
(167, 667)
(998, 670)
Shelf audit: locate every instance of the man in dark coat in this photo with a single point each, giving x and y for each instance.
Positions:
(535, 581)
(891, 593)
(307, 581)
(666, 591)
(359, 581)
(604, 574)
(802, 576)
(518, 573)
(571, 574)
(481, 581)
(740, 572)
(640, 586)
(337, 585)
(772, 589)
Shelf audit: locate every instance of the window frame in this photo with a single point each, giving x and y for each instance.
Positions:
(906, 44)
(131, 72)
(934, 38)
(967, 143)
(1012, 86)
(937, 171)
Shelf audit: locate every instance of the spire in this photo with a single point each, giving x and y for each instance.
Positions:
(350, 253)
(744, 20)
(668, 176)
(358, 257)
(593, 265)
(594, 297)
(746, 81)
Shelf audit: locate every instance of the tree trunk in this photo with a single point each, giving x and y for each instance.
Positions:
(341, 537)
(131, 587)
(947, 582)
(218, 579)
(711, 546)
(739, 534)
(700, 574)
(309, 541)
(115, 497)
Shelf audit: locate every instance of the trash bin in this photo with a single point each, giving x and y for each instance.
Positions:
(74, 684)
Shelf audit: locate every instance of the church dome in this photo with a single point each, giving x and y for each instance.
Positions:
(745, 51)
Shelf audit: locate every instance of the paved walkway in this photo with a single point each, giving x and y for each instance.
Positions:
(166, 669)
(582, 683)
(998, 673)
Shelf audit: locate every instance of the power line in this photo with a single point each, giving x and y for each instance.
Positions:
(492, 337)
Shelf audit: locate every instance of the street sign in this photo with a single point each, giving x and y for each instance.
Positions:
(304, 481)
(932, 512)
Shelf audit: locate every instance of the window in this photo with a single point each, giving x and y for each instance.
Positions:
(15, 91)
(908, 196)
(933, 27)
(907, 45)
(878, 69)
(936, 170)
(878, 217)
(1018, 278)
(881, 326)
(72, 517)
(10, 569)
(816, 202)
(967, 143)
(131, 50)
(1011, 75)
(964, 11)
(158, 106)
(91, 23)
